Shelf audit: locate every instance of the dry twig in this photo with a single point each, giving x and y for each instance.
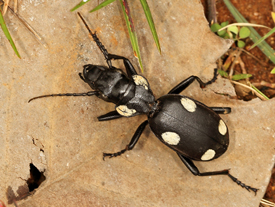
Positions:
(15, 6)
(253, 90)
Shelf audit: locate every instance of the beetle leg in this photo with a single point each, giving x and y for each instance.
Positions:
(221, 110)
(97, 41)
(109, 116)
(90, 93)
(192, 167)
(184, 84)
(128, 65)
(132, 143)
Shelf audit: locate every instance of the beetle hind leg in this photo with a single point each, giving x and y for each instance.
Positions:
(132, 143)
(191, 166)
(221, 110)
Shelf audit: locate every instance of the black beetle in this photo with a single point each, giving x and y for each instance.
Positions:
(193, 130)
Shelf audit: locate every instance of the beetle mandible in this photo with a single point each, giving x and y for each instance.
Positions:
(187, 126)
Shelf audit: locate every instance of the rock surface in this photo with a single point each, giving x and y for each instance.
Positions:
(62, 136)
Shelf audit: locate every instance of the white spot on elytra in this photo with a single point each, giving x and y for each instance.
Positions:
(171, 138)
(208, 155)
(125, 111)
(222, 127)
(188, 104)
(140, 81)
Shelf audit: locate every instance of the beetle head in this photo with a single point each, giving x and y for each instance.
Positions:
(91, 73)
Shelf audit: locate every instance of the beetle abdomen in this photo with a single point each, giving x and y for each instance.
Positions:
(189, 127)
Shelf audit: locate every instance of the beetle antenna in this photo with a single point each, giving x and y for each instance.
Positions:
(90, 93)
(99, 44)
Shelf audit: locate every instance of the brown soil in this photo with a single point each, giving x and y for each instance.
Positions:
(258, 12)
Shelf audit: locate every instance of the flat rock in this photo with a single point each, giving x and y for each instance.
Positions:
(62, 136)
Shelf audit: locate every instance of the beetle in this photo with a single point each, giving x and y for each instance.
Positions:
(190, 128)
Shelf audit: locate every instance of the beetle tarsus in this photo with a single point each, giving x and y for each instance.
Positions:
(185, 83)
(99, 44)
(213, 79)
(110, 155)
(242, 184)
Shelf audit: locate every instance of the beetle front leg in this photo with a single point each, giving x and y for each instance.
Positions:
(109, 116)
(184, 84)
(192, 167)
(128, 65)
(132, 143)
(97, 41)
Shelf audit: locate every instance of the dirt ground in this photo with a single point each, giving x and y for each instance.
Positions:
(258, 12)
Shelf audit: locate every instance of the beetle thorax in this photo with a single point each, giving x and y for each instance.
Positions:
(138, 100)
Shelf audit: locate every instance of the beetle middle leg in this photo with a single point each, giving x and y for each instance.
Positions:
(109, 116)
(184, 84)
(132, 143)
(193, 169)
(221, 110)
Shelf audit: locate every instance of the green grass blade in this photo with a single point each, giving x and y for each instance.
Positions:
(150, 22)
(256, 89)
(264, 47)
(79, 5)
(131, 30)
(263, 38)
(103, 4)
(6, 32)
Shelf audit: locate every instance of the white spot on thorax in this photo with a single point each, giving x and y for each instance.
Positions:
(140, 81)
(188, 104)
(208, 155)
(171, 138)
(222, 127)
(125, 111)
